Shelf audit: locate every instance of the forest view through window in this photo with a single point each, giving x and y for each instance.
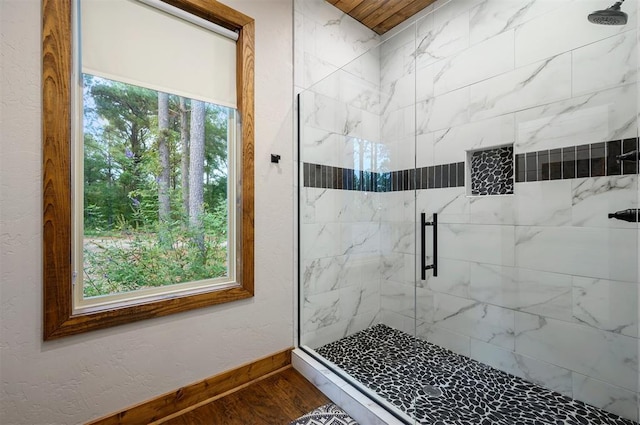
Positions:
(157, 191)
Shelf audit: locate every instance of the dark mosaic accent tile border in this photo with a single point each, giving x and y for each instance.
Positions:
(438, 386)
(328, 177)
(612, 158)
(433, 177)
(590, 160)
(492, 171)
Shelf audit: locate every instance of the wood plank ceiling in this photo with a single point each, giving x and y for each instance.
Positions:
(381, 15)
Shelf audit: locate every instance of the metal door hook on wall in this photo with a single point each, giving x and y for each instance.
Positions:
(423, 241)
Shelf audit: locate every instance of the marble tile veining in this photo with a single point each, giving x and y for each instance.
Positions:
(602, 355)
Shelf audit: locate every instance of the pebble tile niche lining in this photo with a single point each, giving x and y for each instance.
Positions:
(492, 171)
(438, 386)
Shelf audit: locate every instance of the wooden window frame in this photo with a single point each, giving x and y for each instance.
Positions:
(59, 318)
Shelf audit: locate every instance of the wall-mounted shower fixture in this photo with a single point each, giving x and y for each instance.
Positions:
(630, 215)
(611, 16)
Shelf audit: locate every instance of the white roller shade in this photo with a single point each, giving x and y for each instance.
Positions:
(127, 41)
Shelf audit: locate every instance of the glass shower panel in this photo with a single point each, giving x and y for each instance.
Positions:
(357, 220)
(339, 205)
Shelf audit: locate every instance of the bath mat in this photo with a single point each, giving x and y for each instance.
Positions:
(329, 414)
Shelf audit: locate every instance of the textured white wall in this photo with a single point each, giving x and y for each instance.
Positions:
(82, 377)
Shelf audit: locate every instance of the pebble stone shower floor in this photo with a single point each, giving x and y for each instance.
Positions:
(451, 389)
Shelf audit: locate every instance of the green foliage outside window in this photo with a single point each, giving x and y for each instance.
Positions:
(139, 231)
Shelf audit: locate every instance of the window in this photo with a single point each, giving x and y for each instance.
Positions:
(134, 226)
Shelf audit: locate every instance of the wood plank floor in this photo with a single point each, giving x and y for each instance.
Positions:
(275, 400)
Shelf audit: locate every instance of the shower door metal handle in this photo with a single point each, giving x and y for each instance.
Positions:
(423, 243)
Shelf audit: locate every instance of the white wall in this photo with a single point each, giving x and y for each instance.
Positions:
(78, 378)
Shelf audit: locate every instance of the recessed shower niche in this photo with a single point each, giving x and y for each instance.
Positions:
(490, 171)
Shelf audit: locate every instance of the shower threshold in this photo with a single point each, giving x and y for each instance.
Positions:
(436, 386)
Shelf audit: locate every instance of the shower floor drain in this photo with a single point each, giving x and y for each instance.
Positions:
(432, 391)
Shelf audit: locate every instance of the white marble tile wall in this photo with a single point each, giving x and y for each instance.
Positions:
(440, 34)
(337, 69)
(397, 56)
(554, 195)
(397, 266)
(492, 17)
(399, 321)
(601, 116)
(488, 244)
(398, 298)
(533, 291)
(398, 86)
(525, 87)
(450, 144)
(601, 355)
(554, 377)
(442, 112)
(340, 127)
(606, 396)
(397, 269)
(605, 304)
(453, 72)
(458, 343)
(485, 322)
(454, 278)
(580, 251)
(557, 96)
(589, 77)
(564, 29)
(340, 263)
(326, 39)
(593, 198)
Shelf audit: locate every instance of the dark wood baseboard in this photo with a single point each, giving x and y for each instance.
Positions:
(173, 402)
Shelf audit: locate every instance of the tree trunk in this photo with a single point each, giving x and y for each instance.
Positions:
(184, 160)
(164, 176)
(196, 171)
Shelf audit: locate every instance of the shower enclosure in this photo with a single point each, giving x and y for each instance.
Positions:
(501, 134)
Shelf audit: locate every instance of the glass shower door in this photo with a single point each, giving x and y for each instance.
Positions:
(357, 223)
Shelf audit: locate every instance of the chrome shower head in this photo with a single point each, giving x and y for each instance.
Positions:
(610, 16)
